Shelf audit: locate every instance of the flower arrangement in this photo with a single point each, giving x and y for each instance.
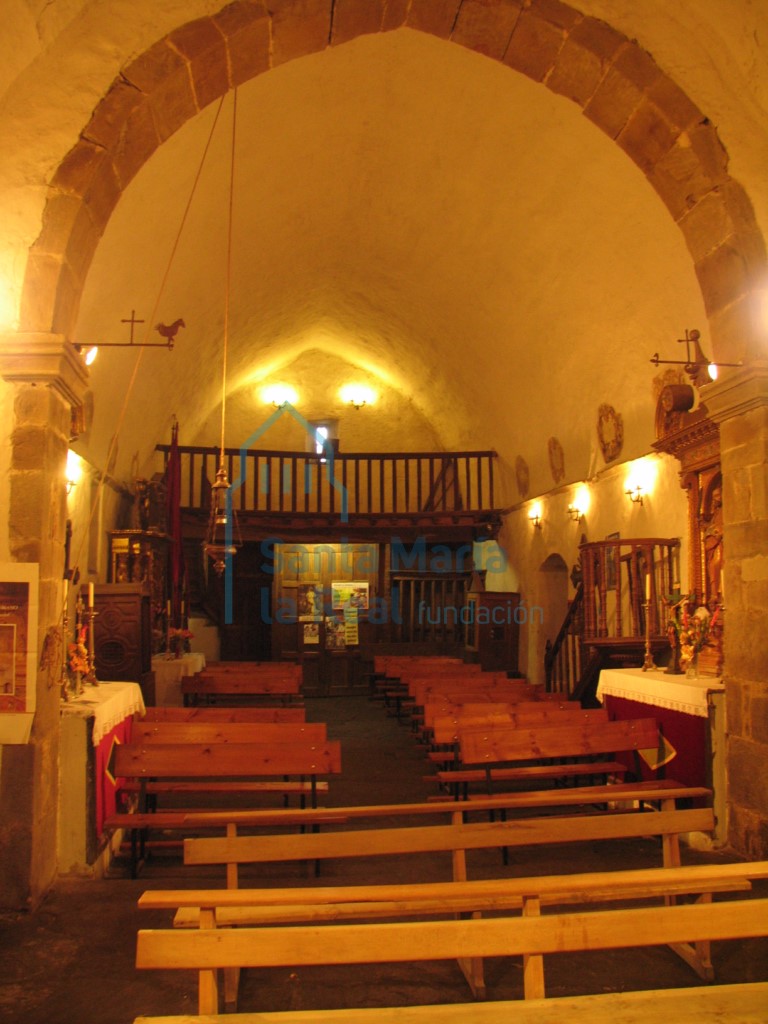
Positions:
(79, 663)
(178, 639)
(690, 631)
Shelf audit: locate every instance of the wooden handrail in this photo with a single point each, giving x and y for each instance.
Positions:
(560, 672)
(362, 482)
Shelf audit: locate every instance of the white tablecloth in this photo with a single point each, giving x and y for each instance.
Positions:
(677, 693)
(108, 704)
(170, 671)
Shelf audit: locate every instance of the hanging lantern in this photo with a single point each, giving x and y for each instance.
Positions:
(220, 543)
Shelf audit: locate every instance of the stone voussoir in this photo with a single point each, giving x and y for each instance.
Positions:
(534, 46)
(486, 29)
(352, 19)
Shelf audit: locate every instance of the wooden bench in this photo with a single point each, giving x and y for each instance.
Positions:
(151, 769)
(488, 687)
(223, 714)
(271, 682)
(229, 732)
(446, 731)
(742, 1003)
(661, 794)
(530, 935)
(254, 907)
(457, 839)
(550, 752)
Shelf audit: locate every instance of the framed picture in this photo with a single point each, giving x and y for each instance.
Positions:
(335, 635)
(353, 594)
(311, 632)
(309, 602)
(610, 563)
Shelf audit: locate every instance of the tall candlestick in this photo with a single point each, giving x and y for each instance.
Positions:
(648, 587)
(90, 595)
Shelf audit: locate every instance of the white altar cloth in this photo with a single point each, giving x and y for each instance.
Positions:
(109, 703)
(676, 693)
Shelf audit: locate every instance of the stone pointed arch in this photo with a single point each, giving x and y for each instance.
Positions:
(617, 85)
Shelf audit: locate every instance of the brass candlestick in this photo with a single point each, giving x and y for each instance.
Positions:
(648, 664)
(90, 614)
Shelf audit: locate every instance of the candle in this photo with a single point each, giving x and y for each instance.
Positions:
(648, 587)
(90, 595)
(722, 587)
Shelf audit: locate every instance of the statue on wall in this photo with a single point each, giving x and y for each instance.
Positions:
(712, 541)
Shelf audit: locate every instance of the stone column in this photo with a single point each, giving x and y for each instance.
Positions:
(739, 403)
(48, 378)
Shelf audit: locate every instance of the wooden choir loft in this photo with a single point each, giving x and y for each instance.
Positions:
(403, 529)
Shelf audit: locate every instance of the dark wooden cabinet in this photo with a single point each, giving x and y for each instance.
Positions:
(141, 556)
(123, 635)
(493, 630)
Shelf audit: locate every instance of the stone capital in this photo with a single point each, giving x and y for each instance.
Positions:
(45, 359)
(740, 391)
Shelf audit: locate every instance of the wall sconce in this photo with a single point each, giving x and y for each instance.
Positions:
(88, 352)
(636, 494)
(534, 516)
(357, 395)
(579, 507)
(74, 471)
(279, 395)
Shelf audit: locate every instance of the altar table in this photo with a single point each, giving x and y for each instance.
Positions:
(691, 716)
(90, 724)
(169, 671)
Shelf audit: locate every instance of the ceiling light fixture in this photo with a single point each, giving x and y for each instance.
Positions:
(219, 543)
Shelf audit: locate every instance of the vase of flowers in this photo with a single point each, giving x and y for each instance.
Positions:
(178, 641)
(78, 662)
(689, 633)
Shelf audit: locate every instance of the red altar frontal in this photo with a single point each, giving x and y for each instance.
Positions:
(691, 716)
(90, 724)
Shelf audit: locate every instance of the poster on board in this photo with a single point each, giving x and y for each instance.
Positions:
(18, 649)
(349, 594)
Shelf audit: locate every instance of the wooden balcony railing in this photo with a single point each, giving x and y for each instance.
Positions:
(367, 483)
(615, 574)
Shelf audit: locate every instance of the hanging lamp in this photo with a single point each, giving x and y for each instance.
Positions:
(222, 537)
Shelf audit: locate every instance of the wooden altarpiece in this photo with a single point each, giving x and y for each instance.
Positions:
(694, 439)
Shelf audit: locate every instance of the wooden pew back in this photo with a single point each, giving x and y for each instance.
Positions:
(456, 838)
(219, 760)
(531, 936)
(447, 729)
(485, 746)
(223, 714)
(229, 732)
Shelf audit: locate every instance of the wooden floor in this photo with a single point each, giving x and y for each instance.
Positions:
(74, 958)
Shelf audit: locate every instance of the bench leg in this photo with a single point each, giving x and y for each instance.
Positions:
(533, 966)
(698, 955)
(208, 983)
(473, 969)
(231, 987)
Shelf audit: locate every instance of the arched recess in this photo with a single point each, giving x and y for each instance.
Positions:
(617, 85)
(551, 596)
